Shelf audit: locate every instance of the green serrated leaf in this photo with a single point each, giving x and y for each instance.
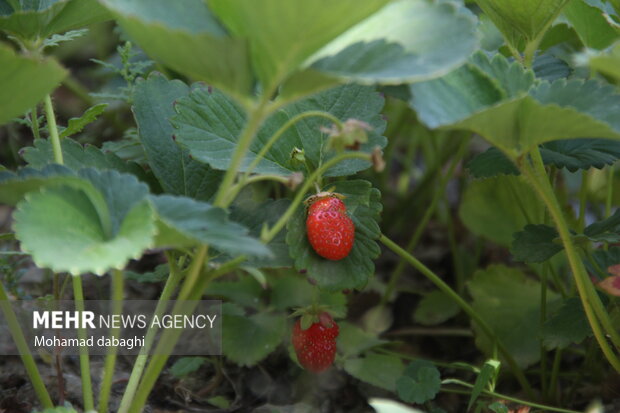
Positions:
(77, 157)
(603, 260)
(582, 154)
(368, 54)
(209, 125)
(490, 163)
(160, 274)
(40, 19)
(253, 216)
(498, 207)
(573, 154)
(94, 229)
(186, 365)
(536, 243)
(592, 22)
(509, 302)
(278, 50)
(184, 222)
(363, 206)
(435, 308)
(290, 290)
(548, 67)
(185, 36)
(379, 370)
(567, 325)
(419, 383)
(264, 331)
(25, 81)
(56, 39)
(245, 291)
(129, 148)
(524, 21)
(548, 111)
(14, 186)
(607, 230)
(177, 173)
(77, 124)
(344, 102)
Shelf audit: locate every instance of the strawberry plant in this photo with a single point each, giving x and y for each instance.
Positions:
(409, 202)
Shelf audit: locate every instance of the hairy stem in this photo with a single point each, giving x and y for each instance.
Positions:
(53, 129)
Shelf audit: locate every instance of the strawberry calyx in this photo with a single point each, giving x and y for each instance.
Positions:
(322, 195)
(313, 314)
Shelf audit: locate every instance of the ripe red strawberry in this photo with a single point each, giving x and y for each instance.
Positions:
(330, 230)
(316, 346)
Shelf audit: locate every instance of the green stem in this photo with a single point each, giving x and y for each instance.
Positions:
(274, 138)
(166, 344)
(246, 179)
(170, 337)
(136, 373)
(222, 199)
(428, 214)
(543, 318)
(484, 327)
(503, 397)
(24, 352)
(236, 188)
(34, 120)
(194, 273)
(87, 386)
(245, 139)
(110, 359)
(555, 372)
(592, 305)
(53, 130)
(308, 183)
(529, 53)
(532, 46)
